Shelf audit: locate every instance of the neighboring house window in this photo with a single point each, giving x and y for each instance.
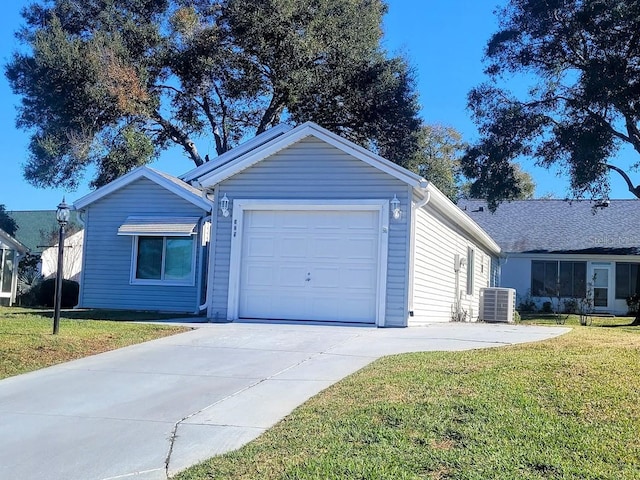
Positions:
(470, 269)
(626, 279)
(6, 270)
(544, 276)
(164, 259)
(573, 279)
(550, 278)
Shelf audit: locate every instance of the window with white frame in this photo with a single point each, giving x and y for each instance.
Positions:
(164, 259)
(164, 249)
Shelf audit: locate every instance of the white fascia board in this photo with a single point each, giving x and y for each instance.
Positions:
(12, 243)
(587, 257)
(235, 152)
(149, 174)
(305, 130)
(453, 212)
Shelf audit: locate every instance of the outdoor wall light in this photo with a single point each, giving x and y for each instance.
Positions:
(395, 208)
(224, 206)
(62, 215)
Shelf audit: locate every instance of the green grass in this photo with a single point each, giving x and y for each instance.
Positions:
(623, 323)
(27, 343)
(566, 408)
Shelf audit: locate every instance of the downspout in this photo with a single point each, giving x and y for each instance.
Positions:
(202, 305)
(415, 207)
(83, 220)
(424, 201)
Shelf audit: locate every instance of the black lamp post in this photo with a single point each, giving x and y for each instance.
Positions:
(62, 215)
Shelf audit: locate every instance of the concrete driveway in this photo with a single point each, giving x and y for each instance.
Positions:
(151, 410)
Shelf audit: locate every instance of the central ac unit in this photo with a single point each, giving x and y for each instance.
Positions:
(497, 304)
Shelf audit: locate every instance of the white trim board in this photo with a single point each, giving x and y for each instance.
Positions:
(248, 146)
(305, 130)
(242, 205)
(183, 191)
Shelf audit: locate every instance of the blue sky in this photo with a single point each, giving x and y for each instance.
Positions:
(444, 41)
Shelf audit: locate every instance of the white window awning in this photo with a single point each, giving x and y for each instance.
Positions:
(159, 226)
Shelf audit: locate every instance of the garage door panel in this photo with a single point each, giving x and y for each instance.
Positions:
(293, 221)
(362, 248)
(364, 221)
(359, 278)
(266, 220)
(259, 276)
(336, 250)
(326, 221)
(260, 246)
(256, 302)
(326, 248)
(291, 275)
(292, 246)
(358, 308)
(325, 277)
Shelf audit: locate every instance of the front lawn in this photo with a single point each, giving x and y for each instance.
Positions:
(567, 408)
(26, 342)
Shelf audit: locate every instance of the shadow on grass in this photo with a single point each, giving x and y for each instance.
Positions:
(632, 324)
(100, 314)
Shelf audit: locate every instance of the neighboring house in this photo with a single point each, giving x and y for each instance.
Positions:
(569, 248)
(10, 252)
(295, 224)
(38, 229)
(72, 258)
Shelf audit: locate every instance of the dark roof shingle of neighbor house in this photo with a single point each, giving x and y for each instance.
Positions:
(36, 226)
(561, 226)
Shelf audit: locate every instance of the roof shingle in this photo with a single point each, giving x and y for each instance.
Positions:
(560, 226)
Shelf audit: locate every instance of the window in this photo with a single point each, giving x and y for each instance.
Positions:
(470, 269)
(164, 259)
(543, 278)
(551, 278)
(573, 279)
(626, 279)
(7, 257)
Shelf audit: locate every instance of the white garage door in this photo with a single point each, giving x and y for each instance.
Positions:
(309, 265)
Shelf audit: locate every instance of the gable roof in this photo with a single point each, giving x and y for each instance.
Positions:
(266, 149)
(7, 240)
(561, 226)
(169, 182)
(36, 226)
(235, 152)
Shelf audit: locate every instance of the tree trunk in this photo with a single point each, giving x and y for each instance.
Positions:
(180, 138)
(636, 321)
(271, 116)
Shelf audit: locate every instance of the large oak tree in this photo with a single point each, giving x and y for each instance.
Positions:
(581, 59)
(7, 223)
(113, 83)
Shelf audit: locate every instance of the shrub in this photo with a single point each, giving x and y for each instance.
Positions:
(516, 317)
(633, 303)
(547, 307)
(570, 305)
(527, 305)
(45, 293)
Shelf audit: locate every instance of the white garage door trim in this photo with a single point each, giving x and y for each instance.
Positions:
(242, 205)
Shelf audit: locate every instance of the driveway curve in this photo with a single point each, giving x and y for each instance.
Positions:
(147, 411)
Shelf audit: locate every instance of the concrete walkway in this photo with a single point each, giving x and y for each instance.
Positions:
(148, 411)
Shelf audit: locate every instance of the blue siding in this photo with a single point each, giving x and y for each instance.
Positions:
(314, 170)
(107, 259)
